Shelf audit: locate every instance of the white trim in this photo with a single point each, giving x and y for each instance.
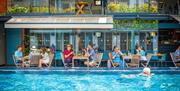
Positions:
(66, 26)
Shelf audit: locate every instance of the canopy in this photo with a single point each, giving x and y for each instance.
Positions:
(65, 22)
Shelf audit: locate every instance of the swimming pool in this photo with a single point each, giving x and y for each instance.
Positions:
(83, 80)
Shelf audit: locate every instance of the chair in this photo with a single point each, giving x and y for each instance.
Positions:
(18, 65)
(110, 59)
(50, 60)
(148, 59)
(174, 60)
(62, 57)
(163, 58)
(135, 61)
(99, 59)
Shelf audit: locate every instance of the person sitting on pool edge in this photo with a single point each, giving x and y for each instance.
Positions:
(45, 57)
(92, 56)
(19, 56)
(68, 54)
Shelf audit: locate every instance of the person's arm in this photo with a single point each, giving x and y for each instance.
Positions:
(177, 54)
(16, 55)
(114, 54)
(121, 54)
(67, 55)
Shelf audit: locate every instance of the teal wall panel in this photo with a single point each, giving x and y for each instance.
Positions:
(2, 57)
(13, 39)
(169, 25)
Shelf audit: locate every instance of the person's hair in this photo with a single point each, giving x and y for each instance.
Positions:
(137, 46)
(114, 48)
(43, 50)
(19, 47)
(90, 44)
(69, 45)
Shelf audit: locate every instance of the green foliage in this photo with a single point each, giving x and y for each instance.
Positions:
(124, 8)
(18, 9)
(69, 10)
(154, 9)
(136, 24)
(144, 8)
(26, 44)
(39, 9)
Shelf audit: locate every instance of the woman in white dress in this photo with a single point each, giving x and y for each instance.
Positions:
(45, 57)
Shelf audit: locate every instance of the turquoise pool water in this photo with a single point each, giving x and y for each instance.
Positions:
(87, 81)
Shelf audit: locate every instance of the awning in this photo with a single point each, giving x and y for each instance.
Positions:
(176, 17)
(65, 22)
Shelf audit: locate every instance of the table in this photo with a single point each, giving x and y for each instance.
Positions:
(129, 57)
(35, 59)
(80, 6)
(158, 56)
(80, 58)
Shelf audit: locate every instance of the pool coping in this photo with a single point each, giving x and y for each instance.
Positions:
(84, 69)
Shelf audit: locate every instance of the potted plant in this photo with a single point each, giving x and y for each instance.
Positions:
(18, 9)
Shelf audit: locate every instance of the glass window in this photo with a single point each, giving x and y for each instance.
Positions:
(46, 39)
(81, 41)
(108, 41)
(88, 38)
(123, 42)
(66, 39)
(129, 41)
(100, 37)
(59, 41)
(39, 6)
(62, 6)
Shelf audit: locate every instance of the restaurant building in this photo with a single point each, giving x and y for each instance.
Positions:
(152, 24)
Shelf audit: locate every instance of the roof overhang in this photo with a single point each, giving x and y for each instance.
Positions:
(176, 17)
(65, 22)
(142, 16)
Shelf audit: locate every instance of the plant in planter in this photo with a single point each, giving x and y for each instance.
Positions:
(120, 7)
(69, 10)
(144, 8)
(136, 24)
(26, 44)
(18, 9)
(113, 7)
(154, 9)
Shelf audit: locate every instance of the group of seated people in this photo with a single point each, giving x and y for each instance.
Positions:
(26, 59)
(88, 52)
(117, 55)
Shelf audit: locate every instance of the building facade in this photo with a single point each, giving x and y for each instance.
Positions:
(104, 23)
